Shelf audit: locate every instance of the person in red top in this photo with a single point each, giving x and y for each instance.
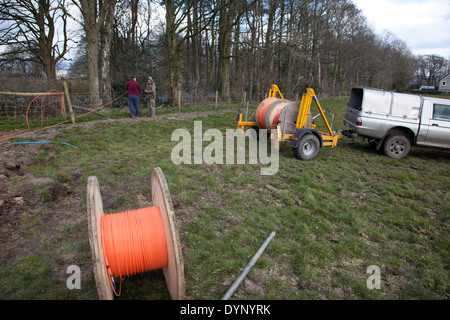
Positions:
(133, 89)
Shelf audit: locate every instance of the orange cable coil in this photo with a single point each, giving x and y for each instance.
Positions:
(261, 111)
(134, 242)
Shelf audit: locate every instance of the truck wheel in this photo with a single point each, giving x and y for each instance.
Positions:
(308, 148)
(396, 146)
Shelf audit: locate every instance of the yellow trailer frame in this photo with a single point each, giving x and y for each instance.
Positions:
(327, 139)
(241, 124)
(274, 91)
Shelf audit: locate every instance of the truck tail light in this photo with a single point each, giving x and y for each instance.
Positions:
(359, 122)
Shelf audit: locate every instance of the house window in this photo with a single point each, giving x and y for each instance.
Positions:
(444, 83)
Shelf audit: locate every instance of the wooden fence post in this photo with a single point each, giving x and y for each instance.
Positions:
(69, 103)
(179, 100)
(217, 96)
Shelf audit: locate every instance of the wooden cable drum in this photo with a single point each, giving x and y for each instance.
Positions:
(272, 111)
(261, 111)
(135, 241)
(288, 118)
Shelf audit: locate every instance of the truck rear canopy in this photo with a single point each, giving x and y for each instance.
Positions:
(384, 102)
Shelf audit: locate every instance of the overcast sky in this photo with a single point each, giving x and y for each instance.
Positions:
(423, 24)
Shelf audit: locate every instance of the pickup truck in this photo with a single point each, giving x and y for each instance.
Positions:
(393, 122)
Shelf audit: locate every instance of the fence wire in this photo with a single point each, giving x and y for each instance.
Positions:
(49, 107)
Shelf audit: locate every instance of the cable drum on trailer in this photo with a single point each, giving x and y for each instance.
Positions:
(288, 118)
(272, 111)
(261, 111)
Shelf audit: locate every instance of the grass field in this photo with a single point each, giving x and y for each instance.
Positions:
(348, 209)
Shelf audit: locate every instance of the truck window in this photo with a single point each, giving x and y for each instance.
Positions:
(356, 98)
(441, 112)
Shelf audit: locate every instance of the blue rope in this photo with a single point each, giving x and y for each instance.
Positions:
(67, 144)
(37, 142)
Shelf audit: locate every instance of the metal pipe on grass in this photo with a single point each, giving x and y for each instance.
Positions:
(247, 268)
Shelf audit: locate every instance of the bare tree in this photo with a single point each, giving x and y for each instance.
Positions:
(236, 45)
(431, 68)
(30, 29)
(94, 13)
(126, 21)
(230, 14)
(177, 32)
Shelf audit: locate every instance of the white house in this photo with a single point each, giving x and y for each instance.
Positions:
(61, 73)
(444, 84)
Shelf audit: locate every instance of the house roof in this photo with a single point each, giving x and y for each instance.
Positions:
(446, 78)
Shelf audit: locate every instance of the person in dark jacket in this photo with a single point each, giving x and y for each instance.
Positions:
(150, 92)
(133, 90)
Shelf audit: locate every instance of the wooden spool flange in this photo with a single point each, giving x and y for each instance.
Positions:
(173, 273)
(261, 111)
(271, 111)
(288, 118)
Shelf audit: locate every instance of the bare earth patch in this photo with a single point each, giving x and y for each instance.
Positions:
(19, 199)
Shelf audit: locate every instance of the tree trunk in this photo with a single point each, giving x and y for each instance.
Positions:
(105, 54)
(195, 50)
(45, 39)
(92, 53)
(226, 22)
(94, 13)
(49, 66)
(212, 57)
(173, 52)
(268, 46)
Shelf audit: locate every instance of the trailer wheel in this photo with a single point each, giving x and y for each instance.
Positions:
(396, 146)
(308, 148)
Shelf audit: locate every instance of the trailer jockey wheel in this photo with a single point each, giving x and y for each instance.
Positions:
(307, 148)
